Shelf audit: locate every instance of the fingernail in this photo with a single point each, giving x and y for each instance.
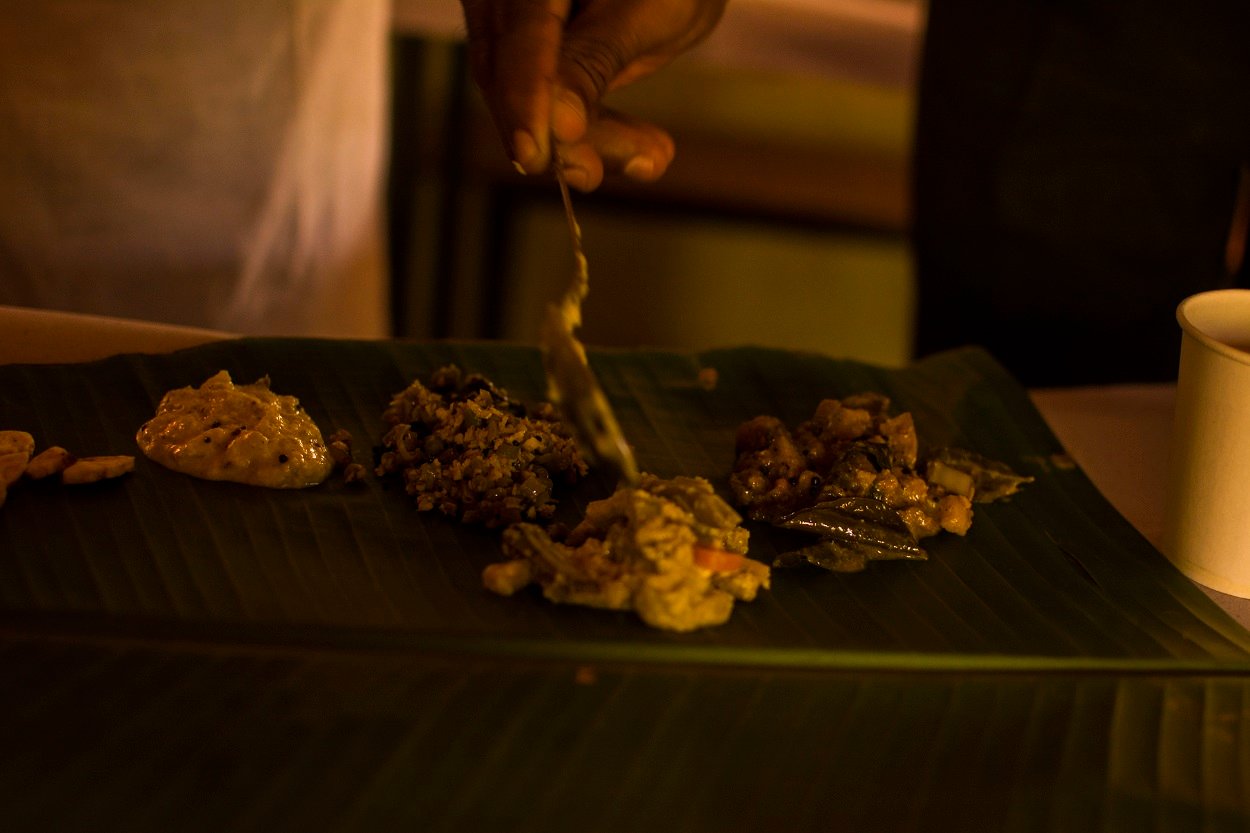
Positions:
(524, 151)
(640, 167)
(578, 178)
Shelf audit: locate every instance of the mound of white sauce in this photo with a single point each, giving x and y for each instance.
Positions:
(241, 433)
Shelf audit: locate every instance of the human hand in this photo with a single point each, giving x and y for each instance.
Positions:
(544, 65)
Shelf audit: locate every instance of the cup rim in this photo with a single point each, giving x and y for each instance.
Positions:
(1217, 299)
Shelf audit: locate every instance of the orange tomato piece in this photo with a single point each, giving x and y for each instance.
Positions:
(717, 560)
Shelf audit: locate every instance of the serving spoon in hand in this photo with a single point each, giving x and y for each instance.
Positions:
(571, 384)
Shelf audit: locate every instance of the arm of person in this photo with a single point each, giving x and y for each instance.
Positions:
(544, 66)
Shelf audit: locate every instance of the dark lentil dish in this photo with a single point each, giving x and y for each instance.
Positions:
(463, 447)
(853, 473)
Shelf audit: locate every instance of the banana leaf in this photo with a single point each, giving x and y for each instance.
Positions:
(145, 735)
(1052, 574)
(183, 654)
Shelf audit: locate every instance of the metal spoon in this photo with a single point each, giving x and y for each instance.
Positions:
(571, 384)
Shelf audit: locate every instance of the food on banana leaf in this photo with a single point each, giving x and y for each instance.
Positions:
(240, 433)
(18, 461)
(339, 445)
(967, 472)
(852, 532)
(463, 447)
(853, 475)
(16, 448)
(671, 550)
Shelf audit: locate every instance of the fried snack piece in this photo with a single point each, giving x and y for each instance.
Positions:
(50, 461)
(15, 450)
(18, 460)
(94, 469)
(12, 465)
(16, 442)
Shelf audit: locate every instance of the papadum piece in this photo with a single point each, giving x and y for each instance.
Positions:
(16, 442)
(50, 461)
(15, 450)
(95, 469)
(19, 461)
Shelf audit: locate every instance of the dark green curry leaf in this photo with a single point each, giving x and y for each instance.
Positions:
(853, 531)
(991, 480)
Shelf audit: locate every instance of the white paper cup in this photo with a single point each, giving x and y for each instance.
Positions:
(1206, 524)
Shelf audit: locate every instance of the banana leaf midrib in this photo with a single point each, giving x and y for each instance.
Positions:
(275, 641)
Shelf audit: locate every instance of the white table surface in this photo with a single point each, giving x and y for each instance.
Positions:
(1118, 434)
